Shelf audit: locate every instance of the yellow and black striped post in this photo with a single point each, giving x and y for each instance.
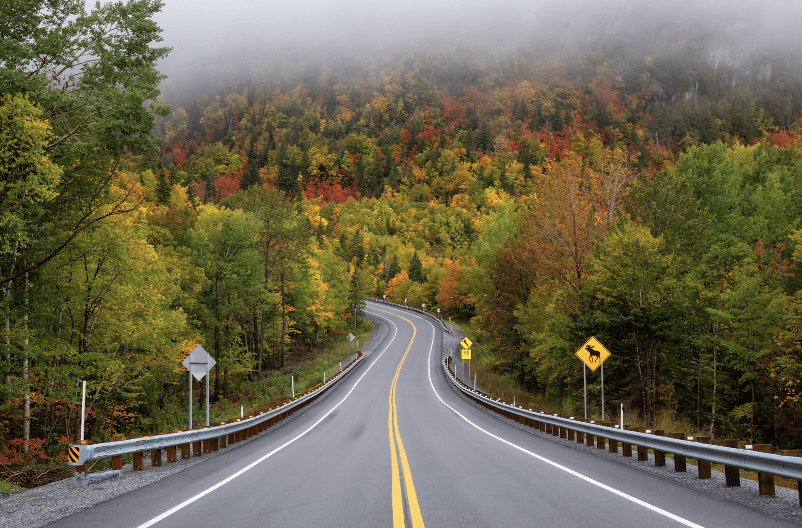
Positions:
(73, 454)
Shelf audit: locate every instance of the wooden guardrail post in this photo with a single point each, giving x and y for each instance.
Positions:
(643, 452)
(155, 458)
(796, 453)
(580, 436)
(117, 461)
(589, 440)
(139, 461)
(171, 456)
(765, 481)
(659, 456)
(570, 434)
(601, 442)
(563, 429)
(196, 448)
(613, 444)
(680, 463)
(186, 452)
(705, 467)
(732, 474)
(626, 447)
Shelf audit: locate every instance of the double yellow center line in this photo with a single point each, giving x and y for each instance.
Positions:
(397, 452)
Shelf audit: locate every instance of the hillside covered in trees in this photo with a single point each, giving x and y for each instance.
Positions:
(648, 195)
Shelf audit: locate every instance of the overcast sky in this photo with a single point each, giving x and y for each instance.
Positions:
(210, 34)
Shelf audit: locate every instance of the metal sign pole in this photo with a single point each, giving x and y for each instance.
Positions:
(190, 399)
(207, 399)
(602, 389)
(585, 379)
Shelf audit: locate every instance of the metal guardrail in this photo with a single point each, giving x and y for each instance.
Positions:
(405, 307)
(80, 454)
(764, 463)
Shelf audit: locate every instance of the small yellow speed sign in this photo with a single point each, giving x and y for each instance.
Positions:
(466, 353)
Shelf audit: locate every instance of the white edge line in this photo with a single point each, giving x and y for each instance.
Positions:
(273, 452)
(601, 485)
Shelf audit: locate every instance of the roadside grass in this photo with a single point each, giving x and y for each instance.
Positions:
(8, 488)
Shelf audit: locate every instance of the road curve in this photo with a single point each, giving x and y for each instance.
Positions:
(395, 445)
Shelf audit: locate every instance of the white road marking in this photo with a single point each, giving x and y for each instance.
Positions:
(601, 485)
(273, 452)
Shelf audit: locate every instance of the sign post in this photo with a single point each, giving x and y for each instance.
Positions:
(350, 338)
(199, 363)
(593, 355)
(466, 354)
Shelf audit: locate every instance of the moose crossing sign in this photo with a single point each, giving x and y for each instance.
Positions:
(593, 353)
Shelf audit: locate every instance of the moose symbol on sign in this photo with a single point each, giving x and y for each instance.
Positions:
(594, 355)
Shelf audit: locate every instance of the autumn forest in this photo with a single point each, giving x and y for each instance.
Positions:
(647, 195)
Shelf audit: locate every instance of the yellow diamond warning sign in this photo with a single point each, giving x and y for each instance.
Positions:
(466, 343)
(466, 353)
(593, 353)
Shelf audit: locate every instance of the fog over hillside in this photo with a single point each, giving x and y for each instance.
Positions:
(214, 40)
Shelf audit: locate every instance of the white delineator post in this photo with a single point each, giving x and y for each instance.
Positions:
(83, 410)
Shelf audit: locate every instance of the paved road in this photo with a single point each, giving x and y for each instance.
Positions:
(395, 445)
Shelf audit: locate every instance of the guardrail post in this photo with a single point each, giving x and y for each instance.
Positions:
(155, 458)
(612, 444)
(580, 436)
(680, 463)
(233, 438)
(139, 461)
(764, 480)
(117, 461)
(186, 452)
(796, 453)
(643, 452)
(214, 444)
(83, 468)
(705, 467)
(732, 474)
(589, 440)
(196, 448)
(626, 448)
(171, 454)
(659, 456)
(563, 429)
(571, 435)
(601, 441)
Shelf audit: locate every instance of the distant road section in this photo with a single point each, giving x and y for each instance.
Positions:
(395, 445)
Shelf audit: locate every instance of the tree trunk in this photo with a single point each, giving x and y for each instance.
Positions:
(283, 321)
(715, 389)
(260, 342)
(217, 294)
(699, 393)
(26, 405)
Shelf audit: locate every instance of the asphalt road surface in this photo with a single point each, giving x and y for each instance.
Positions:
(394, 445)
